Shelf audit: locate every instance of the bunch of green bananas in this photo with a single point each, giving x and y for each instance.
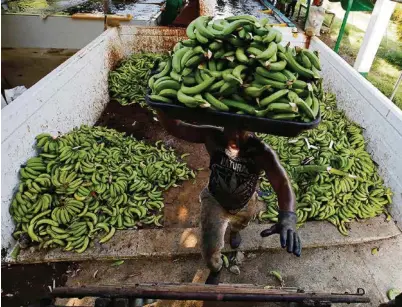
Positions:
(238, 64)
(128, 82)
(89, 181)
(332, 174)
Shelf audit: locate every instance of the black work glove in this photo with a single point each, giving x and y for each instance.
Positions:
(286, 227)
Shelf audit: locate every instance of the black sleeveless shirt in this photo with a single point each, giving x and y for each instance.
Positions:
(233, 179)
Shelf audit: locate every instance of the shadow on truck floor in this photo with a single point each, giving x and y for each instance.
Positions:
(182, 204)
(25, 284)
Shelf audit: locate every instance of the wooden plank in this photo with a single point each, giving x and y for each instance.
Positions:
(200, 277)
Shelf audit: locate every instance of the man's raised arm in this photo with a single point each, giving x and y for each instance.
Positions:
(184, 131)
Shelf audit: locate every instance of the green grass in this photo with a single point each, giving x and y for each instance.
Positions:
(383, 76)
(387, 64)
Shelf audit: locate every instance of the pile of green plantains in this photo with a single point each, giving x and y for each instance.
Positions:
(238, 64)
(89, 182)
(332, 174)
(129, 81)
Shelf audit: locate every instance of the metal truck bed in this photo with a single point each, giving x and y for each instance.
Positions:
(77, 92)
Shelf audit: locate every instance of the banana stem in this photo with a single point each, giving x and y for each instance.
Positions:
(14, 254)
(342, 173)
(311, 168)
(325, 168)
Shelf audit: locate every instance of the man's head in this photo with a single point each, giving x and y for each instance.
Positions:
(236, 137)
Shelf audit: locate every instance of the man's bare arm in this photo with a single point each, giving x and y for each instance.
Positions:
(287, 218)
(184, 131)
(278, 178)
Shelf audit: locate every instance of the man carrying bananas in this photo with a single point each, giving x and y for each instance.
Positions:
(236, 160)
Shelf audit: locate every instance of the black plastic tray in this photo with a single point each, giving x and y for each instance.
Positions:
(239, 121)
(226, 119)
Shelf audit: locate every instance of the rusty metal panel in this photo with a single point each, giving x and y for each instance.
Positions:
(207, 7)
(150, 39)
(151, 31)
(162, 39)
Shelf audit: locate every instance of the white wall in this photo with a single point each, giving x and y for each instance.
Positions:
(31, 31)
(380, 118)
(75, 93)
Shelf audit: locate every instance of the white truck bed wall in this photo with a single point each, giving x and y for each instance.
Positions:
(77, 91)
(63, 32)
(31, 31)
(73, 94)
(375, 113)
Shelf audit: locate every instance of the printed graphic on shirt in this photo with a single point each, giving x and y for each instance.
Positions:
(233, 180)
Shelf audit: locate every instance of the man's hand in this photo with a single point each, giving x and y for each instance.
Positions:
(286, 227)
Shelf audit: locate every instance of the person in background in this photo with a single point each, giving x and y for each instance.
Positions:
(290, 8)
(170, 11)
(281, 5)
(315, 18)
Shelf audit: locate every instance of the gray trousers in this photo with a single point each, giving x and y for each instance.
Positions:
(214, 222)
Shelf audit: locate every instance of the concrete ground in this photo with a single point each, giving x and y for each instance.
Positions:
(177, 241)
(333, 269)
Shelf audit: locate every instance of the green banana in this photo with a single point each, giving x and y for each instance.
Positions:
(268, 53)
(313, 58)
(255, 92)
(187, 100)
(241, 56)
(275, 96)
(198, 88)
(177, 57)
(216, 103)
